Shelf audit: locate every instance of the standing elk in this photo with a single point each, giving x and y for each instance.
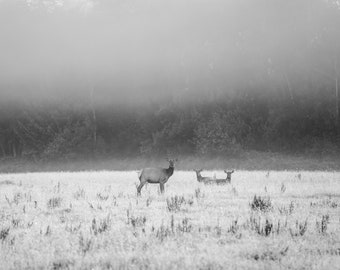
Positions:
(156, 176)
(213, 180)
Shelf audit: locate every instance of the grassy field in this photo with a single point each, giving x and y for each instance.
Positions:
(94, 220)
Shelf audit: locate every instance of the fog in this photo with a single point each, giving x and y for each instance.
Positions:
(140, 50)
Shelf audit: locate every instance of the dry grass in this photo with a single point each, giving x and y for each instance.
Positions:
(94, 220)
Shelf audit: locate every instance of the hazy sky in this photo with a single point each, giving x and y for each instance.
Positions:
(134, 47)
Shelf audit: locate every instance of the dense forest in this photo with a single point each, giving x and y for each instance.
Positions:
(131, 78)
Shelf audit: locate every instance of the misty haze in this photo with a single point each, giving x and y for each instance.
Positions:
(169, 134)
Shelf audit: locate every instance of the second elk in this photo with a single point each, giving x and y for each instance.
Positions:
(213, 180)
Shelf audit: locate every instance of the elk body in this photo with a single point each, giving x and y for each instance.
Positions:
(213, 180)
(202, 179)
(156, 176)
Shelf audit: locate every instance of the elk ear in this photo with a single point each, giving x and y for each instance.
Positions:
(232, 171)
(225, 171)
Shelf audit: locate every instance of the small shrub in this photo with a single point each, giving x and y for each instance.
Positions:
(172, 223)
(278, 228)
(62, 264)
(287, 210)
(6, 182)
(270, 255)
(128, 216)
(257, 226)
(100, 226)
(234, 227)
(325, 203)
(218, 230)
(17, 198)
(8, 201)
(148, 201)
(102, 197)
(79, 194)
(138, 221)
(334, 204)
(174, 204)
(199, 194)
(4, 233)
(72, 229)
(291, 207)
(184, 226)
(15, 222)
(262, 204)
(300, 228)
(28, 196)
(163, 232)
(85, 244)
(56, 189)
(48, 231)
(190, 201)
(91, 205)
(114, 200)
(283, 188)
(323, 224)
(268, 227)
(54, 202)
(12, 241)
(30, 224)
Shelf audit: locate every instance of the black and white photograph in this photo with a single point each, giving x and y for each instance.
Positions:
(169, 134)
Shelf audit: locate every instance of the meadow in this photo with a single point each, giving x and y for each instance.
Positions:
(94, 220)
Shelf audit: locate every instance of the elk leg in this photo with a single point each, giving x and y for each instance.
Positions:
(161, 185)
(139, 188)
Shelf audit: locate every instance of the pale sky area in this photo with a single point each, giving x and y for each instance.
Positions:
(153, 45)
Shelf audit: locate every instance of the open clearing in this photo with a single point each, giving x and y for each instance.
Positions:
(94, 220)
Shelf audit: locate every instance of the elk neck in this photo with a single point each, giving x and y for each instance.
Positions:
(199, 176)
(170, 170)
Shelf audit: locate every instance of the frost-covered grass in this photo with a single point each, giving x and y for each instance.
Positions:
(94, 220)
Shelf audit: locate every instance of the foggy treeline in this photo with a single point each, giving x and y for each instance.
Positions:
(190, 77)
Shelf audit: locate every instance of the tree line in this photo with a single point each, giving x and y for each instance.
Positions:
(223, 125)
